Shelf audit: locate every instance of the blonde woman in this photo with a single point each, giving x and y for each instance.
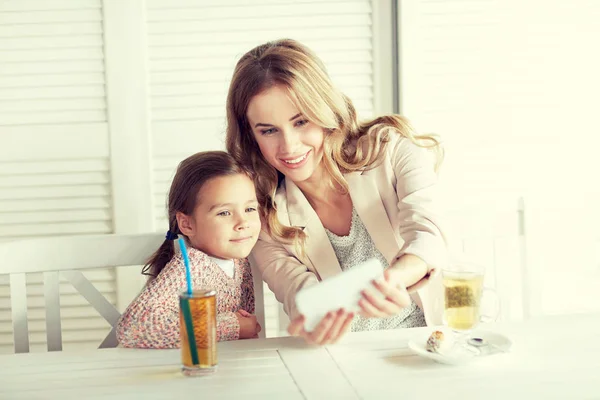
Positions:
(334, 191)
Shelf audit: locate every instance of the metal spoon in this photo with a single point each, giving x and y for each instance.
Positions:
(482, 343)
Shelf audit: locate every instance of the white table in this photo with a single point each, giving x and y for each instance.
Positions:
(553, 357)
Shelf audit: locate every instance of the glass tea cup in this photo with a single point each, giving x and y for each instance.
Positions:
(464, 293)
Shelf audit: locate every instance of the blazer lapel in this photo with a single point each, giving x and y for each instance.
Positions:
(367, 201)
(318, 248)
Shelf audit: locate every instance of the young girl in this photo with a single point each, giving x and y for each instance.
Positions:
(335, 191)
(212, 203)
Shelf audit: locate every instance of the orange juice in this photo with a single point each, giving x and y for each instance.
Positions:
(203, 309)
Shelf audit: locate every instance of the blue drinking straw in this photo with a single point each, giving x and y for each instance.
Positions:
(185, 305)
(186, 261)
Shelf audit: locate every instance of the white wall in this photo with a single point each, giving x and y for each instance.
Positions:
(512, 87)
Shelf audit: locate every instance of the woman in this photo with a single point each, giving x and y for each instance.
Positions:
(334, 192)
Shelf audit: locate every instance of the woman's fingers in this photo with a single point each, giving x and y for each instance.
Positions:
(345, 327)
(384, 306)
(318, 335)
(296, 326)
(397, 294)
(330, 328)
(340, 327)
(334, 331)
(368, 310)
(384, 300)
(393, 293)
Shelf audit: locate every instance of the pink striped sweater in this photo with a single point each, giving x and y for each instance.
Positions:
(152, 319)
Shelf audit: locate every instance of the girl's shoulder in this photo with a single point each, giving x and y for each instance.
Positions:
(198, 260)
(243, 268)
(197, 256)
(242, 262)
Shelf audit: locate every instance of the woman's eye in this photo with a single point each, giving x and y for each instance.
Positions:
(250, 209)
(268, 131)
(224, 214)
(302, 122)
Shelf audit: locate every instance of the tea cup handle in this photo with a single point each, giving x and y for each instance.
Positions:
(486, 316)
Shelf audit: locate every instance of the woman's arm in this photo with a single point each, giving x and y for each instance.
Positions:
(424, 250)
(412, 270)
(284, 274)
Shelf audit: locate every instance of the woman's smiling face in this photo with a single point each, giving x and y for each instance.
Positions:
(287, 140)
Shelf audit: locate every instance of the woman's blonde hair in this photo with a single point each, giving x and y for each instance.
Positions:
(348, 146)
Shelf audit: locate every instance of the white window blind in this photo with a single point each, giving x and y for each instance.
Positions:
(54, 151)
(101, 99)
(512, 88)
(193, 48)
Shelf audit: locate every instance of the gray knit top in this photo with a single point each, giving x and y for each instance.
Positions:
(356, 248)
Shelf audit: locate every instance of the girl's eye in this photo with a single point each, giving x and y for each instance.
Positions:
(224, 214)
(250, 209)
(268, 131)
(301, 122)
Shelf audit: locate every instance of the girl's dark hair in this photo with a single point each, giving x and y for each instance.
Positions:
(192, 173)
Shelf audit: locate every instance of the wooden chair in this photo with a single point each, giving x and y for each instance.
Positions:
(65, 257)
(259, 300)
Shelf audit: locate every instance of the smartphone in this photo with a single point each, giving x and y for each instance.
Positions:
(339, 291)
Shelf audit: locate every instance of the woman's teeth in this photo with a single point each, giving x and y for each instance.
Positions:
(296, 160)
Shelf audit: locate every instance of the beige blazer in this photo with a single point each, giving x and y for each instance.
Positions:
(395, 202)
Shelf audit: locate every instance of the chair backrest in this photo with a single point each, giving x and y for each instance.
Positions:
(65, 257)
(259, 299)
(492, 233)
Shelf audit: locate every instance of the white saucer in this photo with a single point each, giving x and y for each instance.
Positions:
(493, 343)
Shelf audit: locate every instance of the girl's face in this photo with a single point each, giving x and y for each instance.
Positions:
(287, 140)
(225, 223)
